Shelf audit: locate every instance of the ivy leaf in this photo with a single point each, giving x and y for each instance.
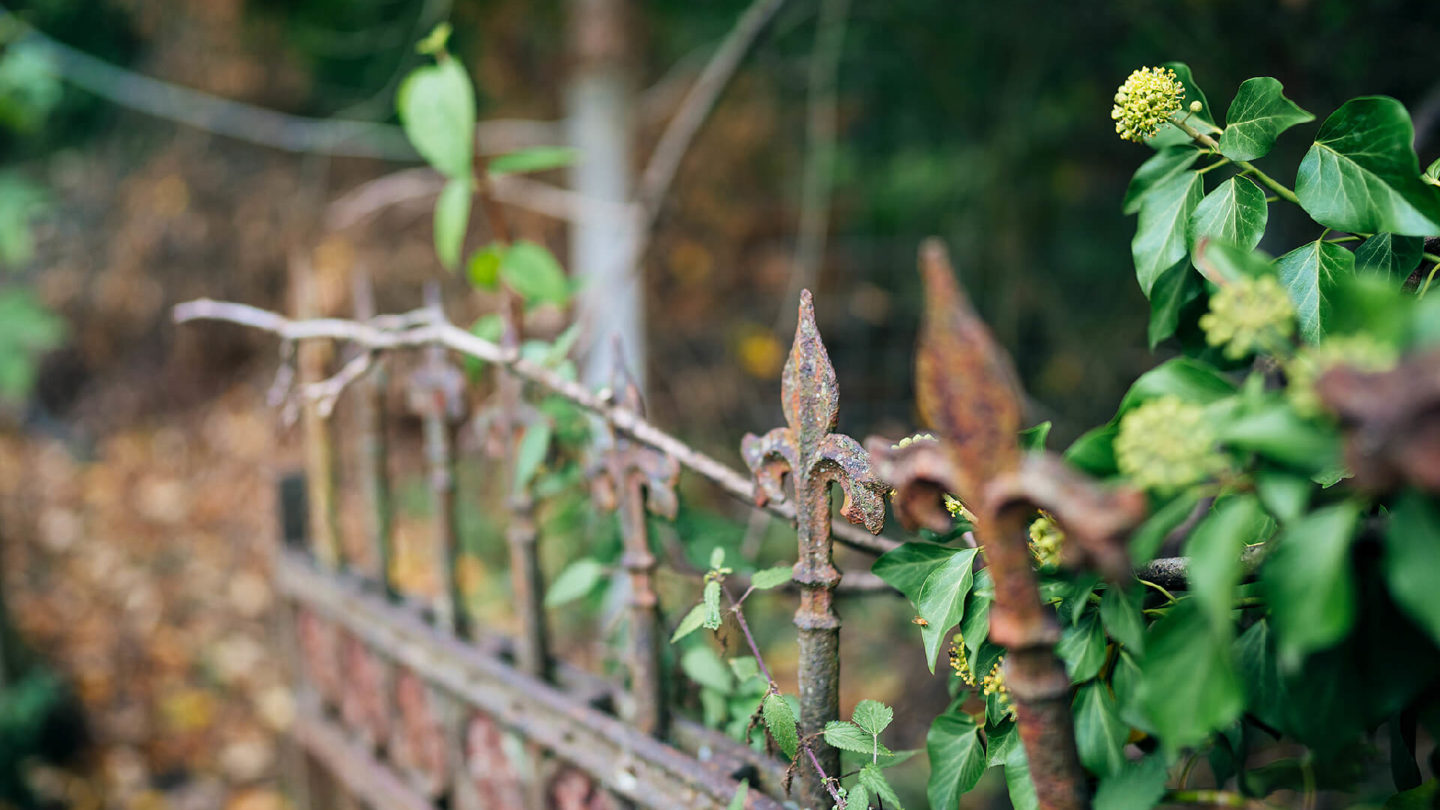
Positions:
(1311, 275)
(1412, 560)
(872, 779)
(1234, 213)
(1308, 580)
(1190, 380)
(1264, 692)
(1120, 614)
(1032, 440)
(534, 274)
(1145, 542)
(942, 600)
(906, 567)
(534, 445)
(437, 111)
(957, 758)
(1164, 165)
(1214, 551)
(1138, 786)
(1361, 174)
(1257, 116)
(1174, 290)
(1160, 234)
(532, 159)
(767, 578)
(872, 715)
(780, 721)
(484, 267)
(1274, 430)
(1171, 135)
(1082, 648)
(1094, 451)
(1017, 778)
(27, 329)
(452, 217)
(705, 668)
(1189, 686)
(575, 581)
(711, 601)
(1285, 494)
(1100, 734)
(1389, 256)
(692, 622)
(847, 736)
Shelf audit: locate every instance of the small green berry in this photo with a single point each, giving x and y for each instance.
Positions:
(1196, 106)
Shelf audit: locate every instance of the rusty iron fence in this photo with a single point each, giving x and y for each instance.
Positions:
(409, 705)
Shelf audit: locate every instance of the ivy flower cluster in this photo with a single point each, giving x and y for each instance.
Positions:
(1046, 540)
(1249, 315)
(994, 684)
(1167, 444)
(960, 662)
(1145, 102)
(1361, 352)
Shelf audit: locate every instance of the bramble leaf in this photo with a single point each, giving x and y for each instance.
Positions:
(576, 580)
(780, 721)
(767, 578)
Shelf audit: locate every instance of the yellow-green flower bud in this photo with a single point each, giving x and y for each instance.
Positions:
(960, 662)
(958, 509)
(1310, 364)
(1166, 444)
(1249, 315)
(1145, 102)
(1046, 538)
(994, 684)
(1196, 106)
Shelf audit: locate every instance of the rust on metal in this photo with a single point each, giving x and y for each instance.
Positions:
(418, 742)
(632, 478)
(489, 766)
(364, 701)
(1391, 422)
(815, 458)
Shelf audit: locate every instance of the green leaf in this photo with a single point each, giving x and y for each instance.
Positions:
(1139, 786)
(1146, 541)
(20, 202)
(1100, 734)
(1264, 693)
(1189, 686)
(1221, 262)
(906, 567)
(532, 272)
(711, 600)
(437, 110)
(1257, 116)
(532, 159)
(1234, 213)
(872, 779)
(534, 446)
(578, 579)
(704, 667)
(484, 267)
(1190, 380)
(737, 802)
(957, 758)
(717, 558)
(1362, 176)
(780, 721)
(27, 329)
(1032, 440)
(692, 622)
(1082, 647)
(452, 217)
(1164, 165)
(847, 736)
(1309, 582)
(1017, 778)
(1412, 560)
(1214, 551)
(1174, 290)
(767, 578)
(975, 625)
(1285, 494)
(942, 600)
(1160, 234)
(1120, 614)
(1171, 135)
(857, 798)
(1389, 256)
(1094, 451)
(1310, 274)
(872, 715)
(1274, 430)
(1419, 798)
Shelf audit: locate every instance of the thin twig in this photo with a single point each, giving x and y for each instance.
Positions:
(825, 780)
(749, 637)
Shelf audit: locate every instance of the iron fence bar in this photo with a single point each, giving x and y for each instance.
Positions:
(319, 444)
(359, 772)
(624, 761)
(370, 414)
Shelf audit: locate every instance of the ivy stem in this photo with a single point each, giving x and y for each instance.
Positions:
(1224, 161)
(1170, 597)
(1429, 279)
(1337, 240)
(1207, 141)
(1214, 798)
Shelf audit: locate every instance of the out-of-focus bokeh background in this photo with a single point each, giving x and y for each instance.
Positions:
(137, 459)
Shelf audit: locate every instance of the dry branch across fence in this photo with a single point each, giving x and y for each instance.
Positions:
(420, 706)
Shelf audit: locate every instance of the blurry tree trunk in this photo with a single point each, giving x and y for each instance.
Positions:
(600, 103)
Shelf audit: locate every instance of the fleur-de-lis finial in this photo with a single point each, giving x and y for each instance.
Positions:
(814, 458)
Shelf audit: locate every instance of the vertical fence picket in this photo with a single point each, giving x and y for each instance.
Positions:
(311, 359)
(370, 414)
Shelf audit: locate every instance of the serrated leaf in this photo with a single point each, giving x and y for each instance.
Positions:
(1138, 786)
(847, 736)
(767, 578)
(692, 622)
(1389, 256)
(1311, 274)
(872, 715)
(532, 159)
(1309, 582)
(578, 579)
(942, 600)
(1412, 560)
(1362, 176)
(872, 778)
(534, 274)
(857, 798)
(711, 601)
(1257, 116)
(1234, 213)
(1162, 166)
(530, 454)
(704, 667)
(452, 217)
(957, 758)
(437, 111)
(780, 722)
(717, 558)
(906, 567)
(1160, 234)
(1100, 734)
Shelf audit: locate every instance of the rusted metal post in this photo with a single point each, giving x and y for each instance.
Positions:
(633, 477)
(437, 396)
(311, 359)
(815, 458)
(370, 413)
